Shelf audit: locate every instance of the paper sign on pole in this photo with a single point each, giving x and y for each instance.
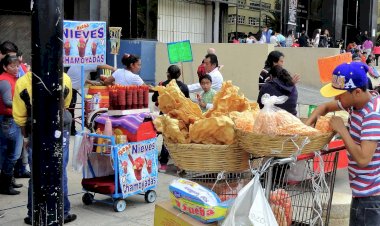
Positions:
(180, 52)
(326, 65)
(84, 42)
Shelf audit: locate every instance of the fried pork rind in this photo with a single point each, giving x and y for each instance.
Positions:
(158, 123)
(215, 130)
(323, 124)
(244, 120)
(228, 100)
(172, 129)
(171, 101)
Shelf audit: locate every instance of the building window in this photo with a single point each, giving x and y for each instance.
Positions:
(231, 19)
(241, 4)
(254, 5)
(241, 19)
(265, 5)
(253, 21)
(143, 19)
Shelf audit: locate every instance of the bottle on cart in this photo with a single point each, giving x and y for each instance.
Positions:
(108, 132)
(96, 101)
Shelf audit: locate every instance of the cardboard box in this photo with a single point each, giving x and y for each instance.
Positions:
(166, 215)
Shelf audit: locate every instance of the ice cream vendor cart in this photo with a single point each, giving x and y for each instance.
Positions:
(135, 167)
(134, 163)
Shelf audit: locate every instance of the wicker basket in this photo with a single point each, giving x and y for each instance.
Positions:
(279, 146)
(208, 158)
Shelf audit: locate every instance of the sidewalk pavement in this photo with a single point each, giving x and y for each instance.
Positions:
(138, 212)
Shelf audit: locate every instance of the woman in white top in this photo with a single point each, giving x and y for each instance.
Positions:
(316, 36)
(128, 75)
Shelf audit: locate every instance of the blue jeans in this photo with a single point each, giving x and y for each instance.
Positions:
(365, 211)
(14, 141)
(66, 202)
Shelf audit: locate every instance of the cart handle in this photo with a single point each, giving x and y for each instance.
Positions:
(323, 152)
(292, 159)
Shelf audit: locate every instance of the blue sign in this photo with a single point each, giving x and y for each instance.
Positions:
(84, 42)
(138, 166)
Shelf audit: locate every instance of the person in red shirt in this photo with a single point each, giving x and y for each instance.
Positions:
(11, 131)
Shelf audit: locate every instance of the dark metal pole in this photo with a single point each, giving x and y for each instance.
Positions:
(47, 112)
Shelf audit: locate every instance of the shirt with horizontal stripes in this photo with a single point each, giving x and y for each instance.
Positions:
(365, 125)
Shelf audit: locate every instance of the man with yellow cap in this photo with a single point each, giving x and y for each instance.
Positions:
(349, 88)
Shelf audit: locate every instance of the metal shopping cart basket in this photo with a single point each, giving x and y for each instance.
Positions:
(300, 189)
(225, 184)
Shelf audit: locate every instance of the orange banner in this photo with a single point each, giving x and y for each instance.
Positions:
(326, 65)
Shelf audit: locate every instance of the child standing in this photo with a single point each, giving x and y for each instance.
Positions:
(206, 97)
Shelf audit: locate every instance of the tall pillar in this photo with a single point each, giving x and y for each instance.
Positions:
(367, 20)
(47, 122)
(337, 21)
(216, 22)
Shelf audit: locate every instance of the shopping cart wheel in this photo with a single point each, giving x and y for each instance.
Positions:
(150, 196)
(87, 198)
(119, 205)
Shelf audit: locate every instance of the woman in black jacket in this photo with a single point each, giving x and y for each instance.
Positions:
(281, 83)
(274, 58)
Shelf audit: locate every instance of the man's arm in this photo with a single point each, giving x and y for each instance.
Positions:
(6, 93)
(361, 153)
(196, 87)
(322, 110)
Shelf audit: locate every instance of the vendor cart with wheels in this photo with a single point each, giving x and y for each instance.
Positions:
(133, 171)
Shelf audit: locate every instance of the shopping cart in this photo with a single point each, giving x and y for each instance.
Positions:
(305, 200)
(225, 185)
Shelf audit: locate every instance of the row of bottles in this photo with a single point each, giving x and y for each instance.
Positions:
(104, 145)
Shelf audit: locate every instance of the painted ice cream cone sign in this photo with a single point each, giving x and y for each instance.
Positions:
(149, 165)
(138, 166)
(93, 48)
(82, 46)
(84, 42)
(67, 47)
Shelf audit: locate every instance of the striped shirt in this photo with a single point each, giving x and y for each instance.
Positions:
(365, 125)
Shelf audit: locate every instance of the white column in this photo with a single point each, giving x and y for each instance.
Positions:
(216, 22)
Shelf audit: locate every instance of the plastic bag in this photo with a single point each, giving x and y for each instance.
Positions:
(197, 201)
(251, 207)
(272, 120)
(102, 166)
(298, 172)
(77, 165)
(85, 148)
(266, 121)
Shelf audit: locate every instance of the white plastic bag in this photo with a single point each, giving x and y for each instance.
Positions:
(298, 172)
(77, 166)
(251, 207)
(266, 121)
